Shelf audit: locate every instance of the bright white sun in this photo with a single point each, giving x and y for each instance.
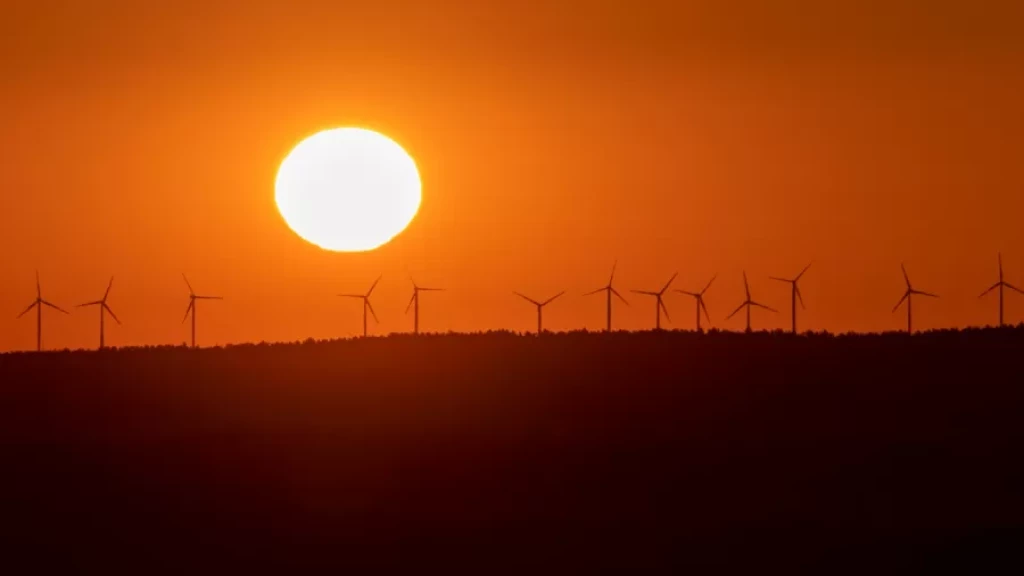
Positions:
(348, 189)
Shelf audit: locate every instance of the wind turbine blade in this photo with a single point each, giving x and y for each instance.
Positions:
(190, 290)
(596, 291)
(191, 303)
(746, 285)
(411, 300)
(1012, 287)
(552, 299)
(900, 303)
(527, 298)
(112, 315)
(799, 296)
(89, 304)
(55, 307)
(734, 312)
(687, 293)
(109, 286)
(994, 286)
(612, 277)
(29, 309)
(759, 305)
(669, 283)
(928, 294)
(374, 314)
(780, 279)
(1000, 266)
(616, 292)
(413, 280)
(374, 285)
(431, 289)
(644, 292)
(661, 303)
(209, 297)
(704, 307)
(905, 276)
(802, 272)
(39, 287)
(709, 284)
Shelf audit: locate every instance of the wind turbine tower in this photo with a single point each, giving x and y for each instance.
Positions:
(609, 289)
(699, 297)
(659, 304)
(366, 304)
(748, 304)
(193, 307)
(104, 310)
(38, 304)
(908, 296)
(1001, 284)
(414, 303)
(540, 308)
(794, 292)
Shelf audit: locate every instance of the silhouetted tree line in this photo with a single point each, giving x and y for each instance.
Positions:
(649, 452)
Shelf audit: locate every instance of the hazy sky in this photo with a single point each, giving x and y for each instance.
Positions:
(141, 140)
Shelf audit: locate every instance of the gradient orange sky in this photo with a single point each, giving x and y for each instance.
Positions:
(141, 140)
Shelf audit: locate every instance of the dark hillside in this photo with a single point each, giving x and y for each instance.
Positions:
(575, 453)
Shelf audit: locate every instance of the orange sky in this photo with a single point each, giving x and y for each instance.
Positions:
(699, 137)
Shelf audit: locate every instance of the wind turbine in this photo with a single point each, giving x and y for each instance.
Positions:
(414, 303)
(609, 289)
(366, 303)
(540, 308)
(749, 303)
(659, 305)
(193, 299)
(908, 296)
(699, 296)
(104, 310)
(1001, 284)
(38, 304)
(795, 293)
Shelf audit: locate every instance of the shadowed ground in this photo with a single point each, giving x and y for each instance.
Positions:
(498, 453)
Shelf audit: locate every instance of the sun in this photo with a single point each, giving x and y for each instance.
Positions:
(348, 189)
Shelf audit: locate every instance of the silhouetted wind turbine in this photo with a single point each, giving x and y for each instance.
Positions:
(610, 290)
(659, 304)
(104, 310)
(366, 303)
(193, 298)
(795, 293)
(540, 308)
(908, 296)
(415, 303)
(1001, 284)
(38, 304)
(749, 303)
(699, 296)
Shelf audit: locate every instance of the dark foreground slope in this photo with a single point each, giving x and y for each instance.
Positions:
(576, 453)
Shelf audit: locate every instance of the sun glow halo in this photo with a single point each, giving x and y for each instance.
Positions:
(348, 189)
